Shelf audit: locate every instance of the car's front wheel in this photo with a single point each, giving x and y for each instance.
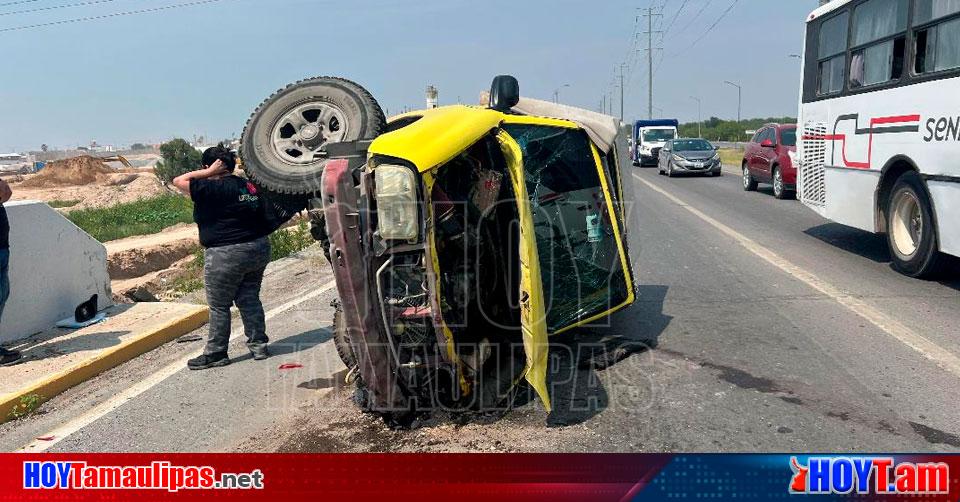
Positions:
(749, 184)
(670, 172)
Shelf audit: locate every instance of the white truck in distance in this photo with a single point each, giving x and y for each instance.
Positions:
(649, 137)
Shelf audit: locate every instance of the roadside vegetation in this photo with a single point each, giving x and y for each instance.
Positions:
(731, 156)
(286, 242)
(716, 129)
(179, 157)
(27, 405)
(143, 217)
(61, 204)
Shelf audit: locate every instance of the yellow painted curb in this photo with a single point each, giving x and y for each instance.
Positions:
(109, 358)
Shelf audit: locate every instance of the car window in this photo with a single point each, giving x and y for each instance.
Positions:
(788, 137)
(580, 262)
(692, 145)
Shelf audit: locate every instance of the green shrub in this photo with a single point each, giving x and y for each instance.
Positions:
(192, 278)
(27, 405)
(286, 242)
(143, 217)
(179, 157)
(60, 204)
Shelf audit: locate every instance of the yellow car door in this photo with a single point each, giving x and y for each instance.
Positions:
(582, 258)
(532, 315)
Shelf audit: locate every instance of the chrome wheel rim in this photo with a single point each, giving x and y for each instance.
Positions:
(777, 182)
(300, 135)
(907, 226)
(746, 177)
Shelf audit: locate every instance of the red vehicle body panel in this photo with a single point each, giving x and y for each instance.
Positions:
(761, 159)
(344, 227)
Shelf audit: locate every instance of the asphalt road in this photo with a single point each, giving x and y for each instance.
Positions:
(759, 327)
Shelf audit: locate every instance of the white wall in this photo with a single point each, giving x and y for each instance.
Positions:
(54, 266)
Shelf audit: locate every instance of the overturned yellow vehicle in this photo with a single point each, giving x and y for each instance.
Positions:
(462, 238)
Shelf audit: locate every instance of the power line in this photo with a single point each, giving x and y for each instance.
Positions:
(710, 29)
(53, 7)
(650, 15)
(675, 16)
(107, 16)
(697, 15)
(7, 4)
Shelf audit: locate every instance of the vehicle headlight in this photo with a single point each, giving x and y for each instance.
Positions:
(397, 210)
(679, 158)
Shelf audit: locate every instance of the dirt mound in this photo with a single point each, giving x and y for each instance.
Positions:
(76, 171)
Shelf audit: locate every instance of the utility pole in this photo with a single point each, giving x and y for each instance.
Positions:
(650, 48)
(622, 65)
(699, 120)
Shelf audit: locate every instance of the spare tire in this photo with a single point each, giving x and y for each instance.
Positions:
(284, 143)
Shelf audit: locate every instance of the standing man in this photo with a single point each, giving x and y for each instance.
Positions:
(230, 216)
(7, 357)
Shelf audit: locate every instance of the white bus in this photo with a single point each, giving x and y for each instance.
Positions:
(880, 124)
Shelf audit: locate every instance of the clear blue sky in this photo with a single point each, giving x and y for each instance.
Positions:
(202, 69)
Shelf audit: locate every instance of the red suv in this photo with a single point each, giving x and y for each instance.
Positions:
(768, 158)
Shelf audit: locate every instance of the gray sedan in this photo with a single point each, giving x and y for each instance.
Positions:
(689, 156)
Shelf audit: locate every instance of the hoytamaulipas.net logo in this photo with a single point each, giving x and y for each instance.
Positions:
(868, 475)
(63, 475)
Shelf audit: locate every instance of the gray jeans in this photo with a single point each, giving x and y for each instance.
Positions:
(233, 275)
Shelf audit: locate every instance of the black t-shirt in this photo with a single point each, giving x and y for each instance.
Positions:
(227, 211)
(4, 229)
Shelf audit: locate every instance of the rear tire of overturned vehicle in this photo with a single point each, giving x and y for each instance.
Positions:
(284, 143)
(341, 340)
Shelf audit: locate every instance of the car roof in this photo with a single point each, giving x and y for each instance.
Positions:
(435, 136)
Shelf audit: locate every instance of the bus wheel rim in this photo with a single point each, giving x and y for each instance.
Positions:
(907, 225)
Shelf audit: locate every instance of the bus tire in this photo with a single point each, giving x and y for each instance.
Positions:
(911, 229)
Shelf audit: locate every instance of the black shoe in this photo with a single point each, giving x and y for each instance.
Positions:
(208, 361)
(260, 353)
(8, 357)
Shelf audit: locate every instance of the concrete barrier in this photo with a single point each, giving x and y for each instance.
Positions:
(54, 266)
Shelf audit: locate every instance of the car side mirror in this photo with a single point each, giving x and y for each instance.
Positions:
(504, 93)
(767, 144)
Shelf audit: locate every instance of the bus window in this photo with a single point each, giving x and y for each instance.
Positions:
(831, 54)
(878, 58)
(938, 45)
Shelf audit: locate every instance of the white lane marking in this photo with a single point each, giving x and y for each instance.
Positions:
(64, 431)
(928, 349)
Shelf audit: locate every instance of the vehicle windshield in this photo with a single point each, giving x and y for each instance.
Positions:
(788, 137)
(659, 135)
(580, 261)
(692, 145)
